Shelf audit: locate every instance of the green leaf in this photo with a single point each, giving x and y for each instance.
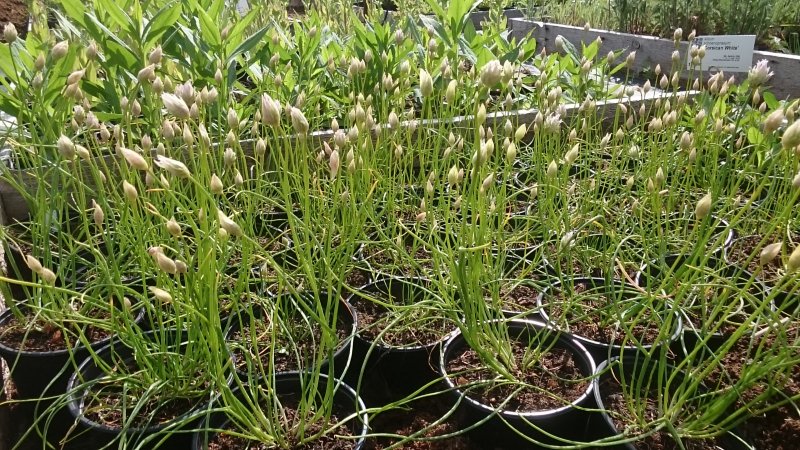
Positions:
(208, 28)
(755, 136)
(74, 10)
(247, 45)
(770, 100)
(120, 18)
(161, 22)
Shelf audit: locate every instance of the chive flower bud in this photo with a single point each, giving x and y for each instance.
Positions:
(552, 169)
(160, 294)
(299, 122)
(174, 167)
(215, 185)
(175, 105)
(10, 33)
(98, 215)
(491, 73)
(173, 227)
(769, 253)
(33, 263)
(794, 261)
(66, 147)
(48, 276)
(130, 192)
(134, 159)
(59, 50)
(703, 208)
(225, 222)
(791, 137)
(425, 83)
(270, 111)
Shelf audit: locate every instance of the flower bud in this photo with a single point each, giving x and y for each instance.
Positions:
(334, 163)
(33, 263)
(491, 73)
(450, 93)
(794, 261)
(160, 294)
(480, 117)
(759, 74)
(270, 111)
(229, 157)
(155, 56)
(769, 253)
(175, 105)
(48, 276)
(225, 222)
(487, 183)
(425, 83)
(174, 167)
(135, 160)
(572, 155)
(130, 192)
(552, 169)
(147, 74)
(66, 147)
(59, 50)
(703, 207)
(97, 214)
(261, 148)
(299, 122)
(791, 137)
(215, 185)
(173, 227)
(10, 33)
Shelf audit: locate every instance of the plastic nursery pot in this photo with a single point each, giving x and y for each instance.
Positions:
(385, 372)
(620, 302)
(630, 374)
(667, 275)
(171, 433)
(287, 387)
(45, 373)
(247, 369)
(514, 428)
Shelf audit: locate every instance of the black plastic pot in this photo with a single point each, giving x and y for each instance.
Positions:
(617, 290)
(342, 355)
(289, 385)
(643, 371)
(507, 428)
(384, 373)
(175, 433)
(38, 374)
(657, 273)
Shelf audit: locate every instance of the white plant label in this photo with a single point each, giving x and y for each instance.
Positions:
(731, 53)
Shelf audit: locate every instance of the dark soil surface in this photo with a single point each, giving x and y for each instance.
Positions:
(518, 297)
(39, 336)
(553, 381)
(296, 338)
(593, 316)
(417, 328)
(106, 407)
(614, 402)
(415, 260)
(16, 12)
(342, 439)
(422, 414)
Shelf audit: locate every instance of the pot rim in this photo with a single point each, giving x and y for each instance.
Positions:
(563, 338)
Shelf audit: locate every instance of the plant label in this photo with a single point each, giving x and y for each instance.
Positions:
(731, 53)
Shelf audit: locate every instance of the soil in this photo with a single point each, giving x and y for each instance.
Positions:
(106, 408)
(415, 261)
(36, 335)
(16, 12)
(518, 297)
(304, 341)
(422, 414)
(593, 316)
(416, 328)
(614, 403)
(342, 439)
(743, 247)
(553, 381)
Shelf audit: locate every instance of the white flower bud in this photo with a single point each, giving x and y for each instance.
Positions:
(425, 83)
(134, 159)
(552, 169)
(794, 261)
(225, 222)
(160, 294)
(66, 147)
(791, 137)
(10, 33)
(174, 167)
(215, 185)
(33, 264)
(703, 208)
(491, 73)
(130, 192)
(769, 253)
(173, 227)
(270, 111)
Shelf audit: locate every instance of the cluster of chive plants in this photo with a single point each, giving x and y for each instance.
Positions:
(170, 192)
